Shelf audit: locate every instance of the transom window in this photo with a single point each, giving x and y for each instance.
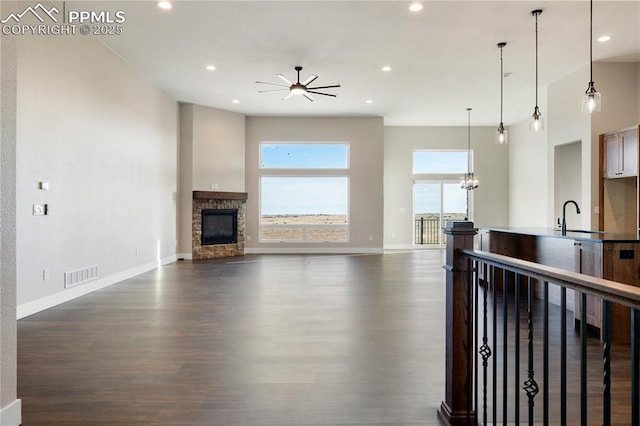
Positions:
(439, 162)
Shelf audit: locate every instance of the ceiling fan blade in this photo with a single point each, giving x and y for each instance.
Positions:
(309, 80)
(285, 79)
(308, 97)
(272, 84)
(319, 93)
(323, 87)
(287, 97)
(271, 90)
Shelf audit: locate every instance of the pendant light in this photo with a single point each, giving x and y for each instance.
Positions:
(536, 123)
(502, 135)
(469, 181)
(591, 99)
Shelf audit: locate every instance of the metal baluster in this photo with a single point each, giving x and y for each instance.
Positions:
(495, 344)
(563, 356)
(469, 307)
(635, 367)
(485, 350)
(530, 385)
(505, 358)
(476, 287)
(545, 355)
(517, 352)
(606, 360)
(583, 359)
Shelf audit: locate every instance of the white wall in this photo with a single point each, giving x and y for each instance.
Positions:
(365, 136)
(105, 139)
(490, 199)
(212, 145)
(528, 176)
(10, 413)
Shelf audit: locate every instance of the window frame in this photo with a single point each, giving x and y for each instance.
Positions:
(305, 172)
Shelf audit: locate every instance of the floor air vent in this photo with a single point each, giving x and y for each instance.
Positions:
(81, 276)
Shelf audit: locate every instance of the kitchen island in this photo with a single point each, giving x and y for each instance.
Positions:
(611, 256)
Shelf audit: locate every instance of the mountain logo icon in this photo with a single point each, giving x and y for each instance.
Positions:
(38, 11)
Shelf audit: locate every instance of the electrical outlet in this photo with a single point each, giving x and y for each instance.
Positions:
(626, 254)
(45, 274)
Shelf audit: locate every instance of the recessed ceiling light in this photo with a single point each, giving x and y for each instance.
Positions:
(415, 7)
(211, 68)
(164, 5)
(386, 68)
(368, 101)
(235, 101)
(604, 38)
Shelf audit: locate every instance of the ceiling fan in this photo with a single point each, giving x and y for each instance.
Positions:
(298, 88)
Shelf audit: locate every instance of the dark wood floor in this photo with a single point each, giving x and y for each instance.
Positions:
(257, 340)
(272, 340)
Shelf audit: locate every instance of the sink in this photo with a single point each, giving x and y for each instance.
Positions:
(585, 231)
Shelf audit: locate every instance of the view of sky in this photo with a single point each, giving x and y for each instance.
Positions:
(427, 197)
(304, 156)
(304, 195)
(439, 162)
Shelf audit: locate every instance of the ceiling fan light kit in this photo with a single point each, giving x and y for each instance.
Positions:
(299, 88)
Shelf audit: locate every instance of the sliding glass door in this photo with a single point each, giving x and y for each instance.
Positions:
(435, 202)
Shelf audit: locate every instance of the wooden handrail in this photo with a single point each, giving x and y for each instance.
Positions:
(609, 290)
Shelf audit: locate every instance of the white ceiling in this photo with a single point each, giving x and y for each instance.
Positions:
(443, 58)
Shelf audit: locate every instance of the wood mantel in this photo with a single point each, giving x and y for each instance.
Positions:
(217, 195)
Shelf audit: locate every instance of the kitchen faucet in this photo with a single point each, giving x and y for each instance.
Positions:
(564, 215)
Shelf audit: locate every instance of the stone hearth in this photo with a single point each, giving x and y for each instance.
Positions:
(223, 201)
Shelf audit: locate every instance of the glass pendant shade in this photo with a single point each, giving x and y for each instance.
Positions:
(536, 123)
(591, 101)
(502, 135)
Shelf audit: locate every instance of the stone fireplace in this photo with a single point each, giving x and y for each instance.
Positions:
(222, 215)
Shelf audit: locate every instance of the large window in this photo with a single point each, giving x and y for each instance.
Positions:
(304, 194)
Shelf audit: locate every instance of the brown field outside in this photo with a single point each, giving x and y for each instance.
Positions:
(305, 221)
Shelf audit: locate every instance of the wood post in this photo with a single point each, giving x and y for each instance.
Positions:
(457, 409)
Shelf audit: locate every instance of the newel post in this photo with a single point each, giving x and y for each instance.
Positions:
(459, 364)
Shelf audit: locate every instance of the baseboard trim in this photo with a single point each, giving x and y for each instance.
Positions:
(314, 250)
(185, 256)
(11, 414)
(411, 247)
(67, 294)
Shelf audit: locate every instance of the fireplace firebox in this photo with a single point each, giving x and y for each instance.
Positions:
(219, 226)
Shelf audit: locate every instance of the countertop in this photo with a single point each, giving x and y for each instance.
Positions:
(608, 237)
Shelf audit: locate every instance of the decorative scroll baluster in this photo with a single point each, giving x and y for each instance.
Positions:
(530, 385)
(485, 350)
(606, 361)
(476, 298)
(470, 364)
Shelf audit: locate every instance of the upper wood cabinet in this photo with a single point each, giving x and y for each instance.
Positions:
(621, 154)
